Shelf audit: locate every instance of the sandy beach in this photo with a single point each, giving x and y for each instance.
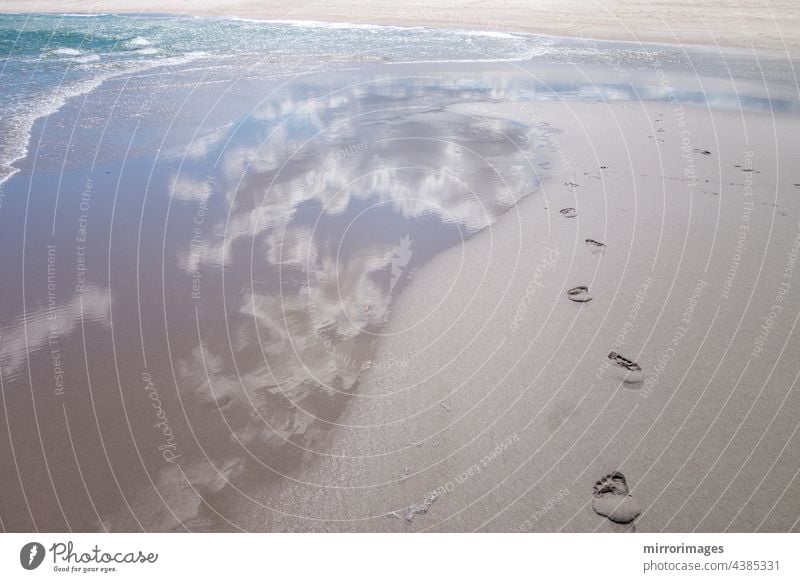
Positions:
(762, 25)
(508, 412)
(405, 280)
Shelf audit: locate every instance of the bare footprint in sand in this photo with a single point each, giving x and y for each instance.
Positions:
(595, 245)
(569, 212)
(579, 294)
(631, 371)
(613, 500)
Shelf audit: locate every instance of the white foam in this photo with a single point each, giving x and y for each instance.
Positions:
(323, 24)
(203, 54)
(87, 59)
(17, 134)
(138, 41)
(67, 52)
(377, 27)
(492, 34)
(81, 14)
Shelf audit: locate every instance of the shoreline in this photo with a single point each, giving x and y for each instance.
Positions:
(760, 27)
(454, 27)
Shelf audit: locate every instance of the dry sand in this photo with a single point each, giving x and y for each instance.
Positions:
(772, 26)
(511, 421)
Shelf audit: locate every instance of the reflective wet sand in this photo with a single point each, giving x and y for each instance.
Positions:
(199, 319)
(192, 292)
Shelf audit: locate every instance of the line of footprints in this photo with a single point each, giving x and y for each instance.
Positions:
(612, 498)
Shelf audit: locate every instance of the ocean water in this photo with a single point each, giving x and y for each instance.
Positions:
(48, 59)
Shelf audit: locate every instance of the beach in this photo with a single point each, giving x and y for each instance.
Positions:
(751, 24)
(324, 277)
(509, 413)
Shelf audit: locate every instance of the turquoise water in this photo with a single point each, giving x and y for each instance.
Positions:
(46, 59)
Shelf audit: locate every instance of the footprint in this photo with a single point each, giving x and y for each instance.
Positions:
(624, 362)
(569, 212)
(595, 245)
(613, 500)
(632, 370)
(579, 294)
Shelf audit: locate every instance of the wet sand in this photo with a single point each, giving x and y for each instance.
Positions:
(758, 24)
(344, 307)
(510, 410)
(190, 323)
